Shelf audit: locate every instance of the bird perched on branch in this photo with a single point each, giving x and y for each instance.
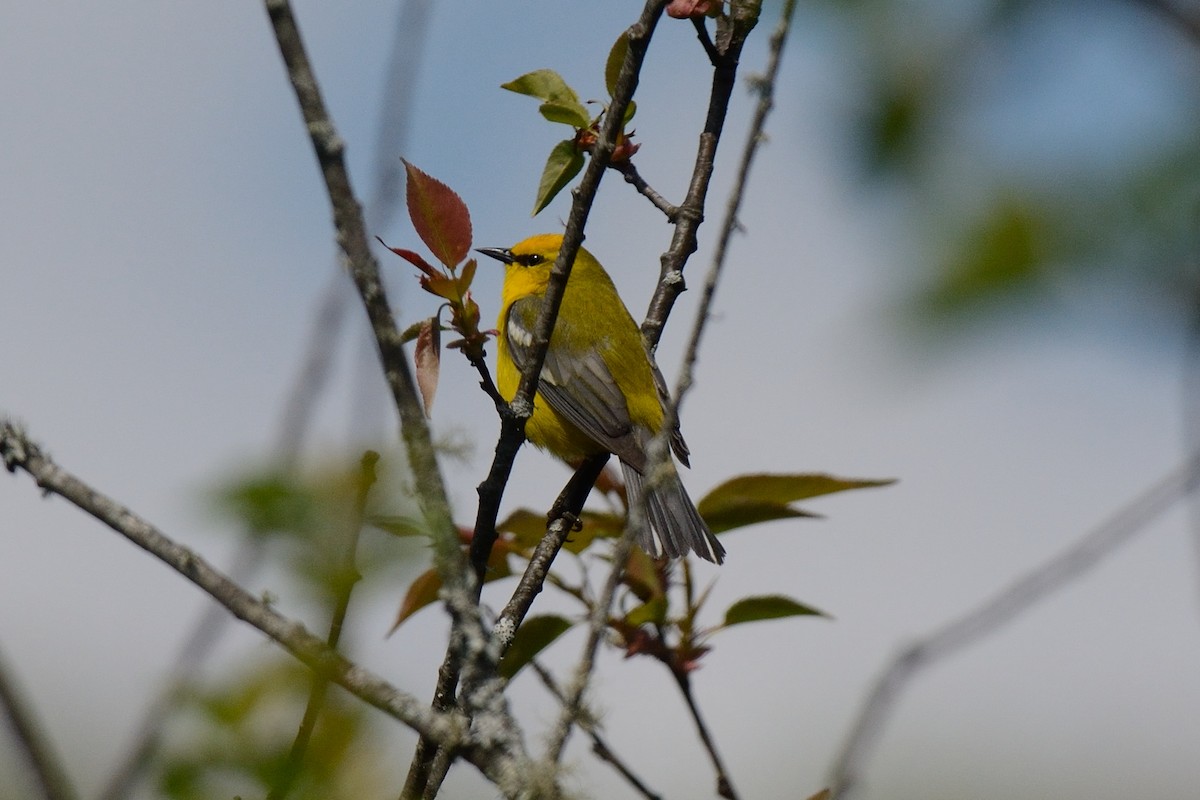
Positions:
(599, 391)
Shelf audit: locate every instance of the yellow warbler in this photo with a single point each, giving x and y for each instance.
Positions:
(599, 389)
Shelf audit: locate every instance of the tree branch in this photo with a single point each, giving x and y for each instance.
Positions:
(635, 179)
(1019, 597)
(512, 433)
(597, 624)
(1187, 19)
(364, 270)
(18, 452)
(691, 212)
(37, 748)
(724, 782)
(496, 749)
(599, 746)
(297, 414)
(765, 86)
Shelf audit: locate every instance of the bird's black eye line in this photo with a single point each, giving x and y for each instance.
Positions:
(528, 259)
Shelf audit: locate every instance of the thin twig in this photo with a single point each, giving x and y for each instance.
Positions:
(690, 213)
(1012, 601)
(395, 106)
(566, 510)
(724, 782)
(765, 86)
(513, 429)
(597, 625)
(347, 577)
(352, 238)
(295, 423)
(635, 179)
(705, 40)
(51, 777)
(1187, 20)
(600, 746)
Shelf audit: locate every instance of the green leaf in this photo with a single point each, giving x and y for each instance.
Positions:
(750, 499)
(439, 215)
(616, 57)
(467, 276)
(651, 612)
(727, 519)
(771, 606)
(567, 115)
(642, 577)
(400, 526)
(596, 525)
(534, 635)
(528, 527)
(270, 503)
(1003, 252)
(549, 87)
(564, 163)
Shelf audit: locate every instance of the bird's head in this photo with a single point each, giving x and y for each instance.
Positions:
(536, 252)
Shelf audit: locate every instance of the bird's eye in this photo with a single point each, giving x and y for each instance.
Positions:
(529, 259)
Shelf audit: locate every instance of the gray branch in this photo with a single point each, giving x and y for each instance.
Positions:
(1025, 593)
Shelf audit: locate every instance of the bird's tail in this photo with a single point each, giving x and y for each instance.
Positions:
(676, 527)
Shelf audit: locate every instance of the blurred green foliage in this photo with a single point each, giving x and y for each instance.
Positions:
(232, 738)
(1027, 164)
(307, 521)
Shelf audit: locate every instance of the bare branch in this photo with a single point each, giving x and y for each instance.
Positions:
(765, 86)
(600, 747)
(1019, 597)
(30, 739)
(364, 270)
(635, 179)
(724, 782)
(1186, 18)
(597, 625)
(18, 452)
(691, 212)
(297, 414)
(566, 510)
(688, 218)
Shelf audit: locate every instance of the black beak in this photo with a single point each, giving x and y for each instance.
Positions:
(498, 253)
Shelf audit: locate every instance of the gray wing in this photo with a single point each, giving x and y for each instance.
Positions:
(580, 389)
(664, 398)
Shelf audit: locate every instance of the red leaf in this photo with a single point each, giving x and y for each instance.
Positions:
(683, 9)
(428, 358)
(439, 216)
(413, 258)
(423, 591)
